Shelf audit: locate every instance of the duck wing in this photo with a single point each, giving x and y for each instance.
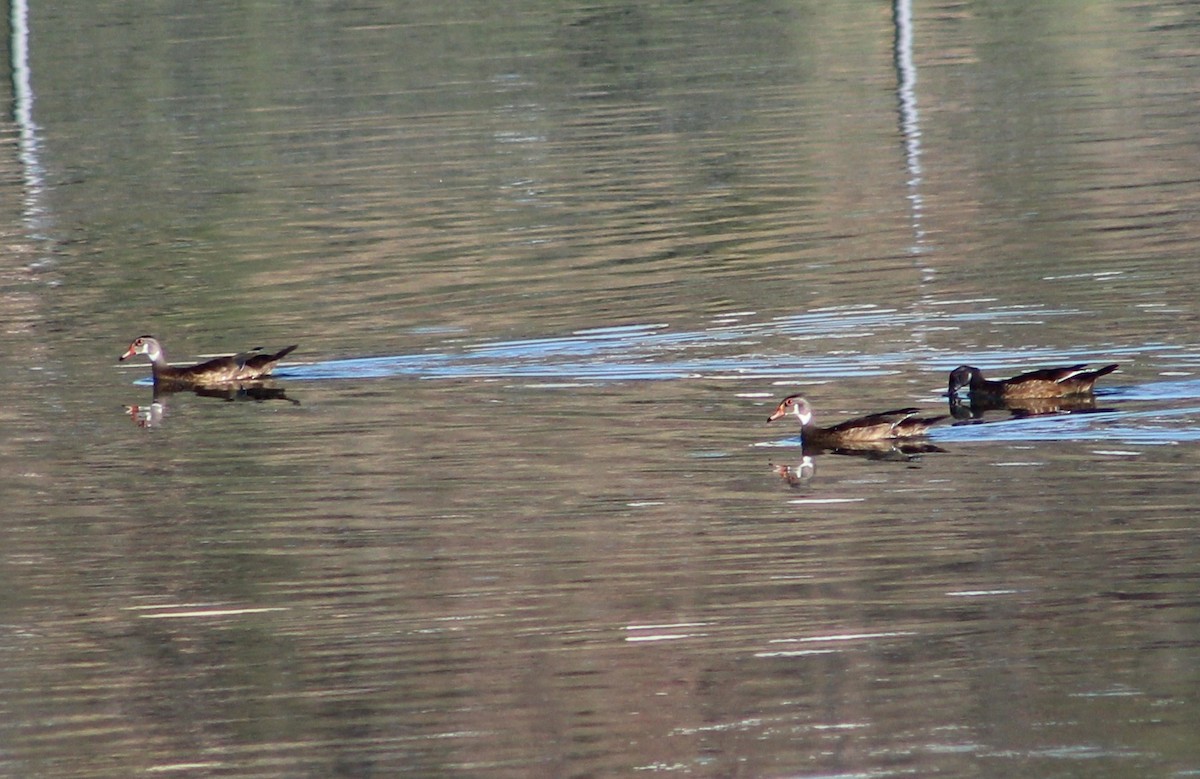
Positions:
(873, 427)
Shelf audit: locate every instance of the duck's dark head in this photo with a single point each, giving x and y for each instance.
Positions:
(961, 377)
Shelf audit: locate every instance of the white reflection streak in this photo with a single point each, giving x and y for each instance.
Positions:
(29, 145)
(910, 123)
(655, 632)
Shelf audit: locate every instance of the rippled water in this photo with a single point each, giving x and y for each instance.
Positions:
(513, 507)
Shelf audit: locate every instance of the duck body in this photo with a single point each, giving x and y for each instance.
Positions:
(1044, 383)
(247, 366)
(856, 432)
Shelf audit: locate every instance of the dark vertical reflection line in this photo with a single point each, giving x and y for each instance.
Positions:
(29, 143)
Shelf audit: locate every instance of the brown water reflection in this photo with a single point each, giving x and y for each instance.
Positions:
(549, 267)
(978, 408)
(547, 572)
(154, 413)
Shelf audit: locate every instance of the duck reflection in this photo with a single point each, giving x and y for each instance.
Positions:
(796, 475)
(889, 450)
(258, 391)
(147, 416)
(976, 408)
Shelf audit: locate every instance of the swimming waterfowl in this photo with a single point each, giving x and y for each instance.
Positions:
(247, 366)
(899, 423)
(1044, 383)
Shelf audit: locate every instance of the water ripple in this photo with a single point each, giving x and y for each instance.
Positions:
(654, 351)
(735, 346)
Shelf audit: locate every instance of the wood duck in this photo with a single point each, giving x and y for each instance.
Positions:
(1044, 383)
(247, 366)
(900, 423)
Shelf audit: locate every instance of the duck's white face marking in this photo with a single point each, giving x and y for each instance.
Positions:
(794, 405)
(149, 347)
(799, 406)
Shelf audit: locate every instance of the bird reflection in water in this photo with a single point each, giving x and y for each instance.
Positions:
(796, 475)
(888, 450)
(258, 391)
(975, 409)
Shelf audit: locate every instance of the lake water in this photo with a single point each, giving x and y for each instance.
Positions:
(513, 508)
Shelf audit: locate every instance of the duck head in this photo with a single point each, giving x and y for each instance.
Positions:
(793, 404)
(962, 376)
(144, 344)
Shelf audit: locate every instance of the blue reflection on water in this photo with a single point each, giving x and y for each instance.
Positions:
(656, 352)
(777, 349)
(1144, 426)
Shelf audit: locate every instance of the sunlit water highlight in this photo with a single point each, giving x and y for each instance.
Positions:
(751, 350)
(654, 351)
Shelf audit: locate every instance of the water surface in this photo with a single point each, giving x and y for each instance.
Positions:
(520, 513)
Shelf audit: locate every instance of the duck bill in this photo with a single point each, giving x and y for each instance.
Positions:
(779, 412)
(128, 353)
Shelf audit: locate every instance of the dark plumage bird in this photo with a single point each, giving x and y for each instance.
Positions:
(247, 366)
(900, 423)
(1044, 383)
